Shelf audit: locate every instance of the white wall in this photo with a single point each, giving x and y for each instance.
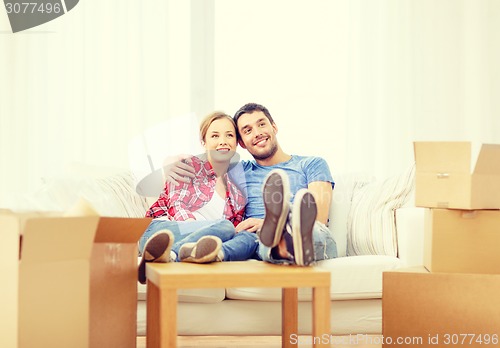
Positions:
(353, 81)
(358, 81)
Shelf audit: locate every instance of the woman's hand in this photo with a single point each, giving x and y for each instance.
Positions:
(250, 225)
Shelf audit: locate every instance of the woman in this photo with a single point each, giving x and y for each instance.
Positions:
(201, 216)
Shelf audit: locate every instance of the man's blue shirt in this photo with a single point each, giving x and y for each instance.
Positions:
(301, 170)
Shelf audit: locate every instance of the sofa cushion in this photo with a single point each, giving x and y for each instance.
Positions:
(256, 318)
(352, 277)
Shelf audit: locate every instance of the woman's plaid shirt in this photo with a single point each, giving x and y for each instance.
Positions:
(178, 202)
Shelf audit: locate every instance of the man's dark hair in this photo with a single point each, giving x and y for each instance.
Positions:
(252, 107)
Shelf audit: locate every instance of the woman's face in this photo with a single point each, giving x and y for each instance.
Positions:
(220, 141)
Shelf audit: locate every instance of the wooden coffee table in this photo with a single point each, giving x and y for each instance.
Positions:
(165, 278)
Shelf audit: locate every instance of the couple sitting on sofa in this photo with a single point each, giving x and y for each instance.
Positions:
(218, 210)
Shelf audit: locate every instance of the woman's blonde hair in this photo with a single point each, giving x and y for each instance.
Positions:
(207, 121)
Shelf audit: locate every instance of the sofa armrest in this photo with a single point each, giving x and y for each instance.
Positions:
(410, 235)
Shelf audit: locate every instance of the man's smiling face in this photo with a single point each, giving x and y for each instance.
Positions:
(258, 135)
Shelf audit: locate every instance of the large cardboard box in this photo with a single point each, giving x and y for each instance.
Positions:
(449, 176)
(46, 265)
(422, 309)
(462, 241)
(113, 285)
(70, 281)
(9, 268)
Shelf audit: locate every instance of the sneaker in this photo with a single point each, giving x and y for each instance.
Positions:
(205, 250)
(157, 249)
(304, 213)
(288, 240)
(276, 195)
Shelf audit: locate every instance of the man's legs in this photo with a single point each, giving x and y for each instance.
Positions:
(303, 240)
(276, 195)
(325, 247)
(304, 212)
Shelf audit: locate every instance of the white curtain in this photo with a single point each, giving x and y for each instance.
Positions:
(78, 89)
(354, 81)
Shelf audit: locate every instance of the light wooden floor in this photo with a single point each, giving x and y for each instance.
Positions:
(360, 341)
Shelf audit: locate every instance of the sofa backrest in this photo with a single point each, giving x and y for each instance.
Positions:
(114, 194)
(109, 194)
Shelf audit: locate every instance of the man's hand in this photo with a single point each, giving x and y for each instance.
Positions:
(178, 169)
(250, 225)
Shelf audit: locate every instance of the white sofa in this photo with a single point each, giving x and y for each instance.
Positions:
(356, 289)
(373, 221)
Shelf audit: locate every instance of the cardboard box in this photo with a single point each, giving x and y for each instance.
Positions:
(422, 309)
(113, 286)
(448, 176)
(462, 241)
(9, 264)
(113, 279)
(47, 280)
(72, 283)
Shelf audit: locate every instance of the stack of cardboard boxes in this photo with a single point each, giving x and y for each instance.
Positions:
(452, 300)
(68, 281)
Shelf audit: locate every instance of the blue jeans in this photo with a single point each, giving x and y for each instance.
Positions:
(235, 246)
(324, 246)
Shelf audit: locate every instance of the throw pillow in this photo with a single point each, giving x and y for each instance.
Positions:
(371, 226)
(340, 205)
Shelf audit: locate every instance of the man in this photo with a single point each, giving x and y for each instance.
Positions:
(288, 233)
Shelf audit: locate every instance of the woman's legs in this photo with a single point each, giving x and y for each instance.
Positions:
(241, 247)
(182, 229)
(235, 246)
(223, 229)
(156, 242)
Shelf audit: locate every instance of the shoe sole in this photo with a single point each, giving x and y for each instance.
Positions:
(276, 186)
(207, 249)
(157, 246)
(304, 214)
